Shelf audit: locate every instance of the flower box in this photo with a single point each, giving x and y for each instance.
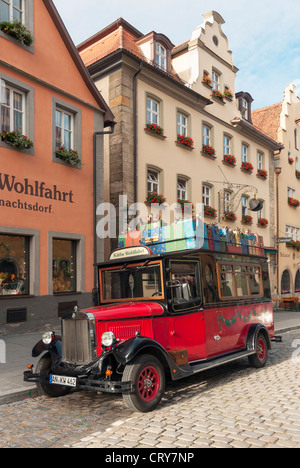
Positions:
(69, 156)
(185, 141)
(16, 139)
(155, 129)
(263, 222)
(230, 160)
(154, 197)
(210, 212)
(293, 202)
(246, 219)
(247, 167)
(291, 161)
(230, 216)
(217, 94)
(294, 244)
(206, 80)
(298, 175)
(228, 94)
(262, 173)
(184, 203)
(208, 150)
(18, 31)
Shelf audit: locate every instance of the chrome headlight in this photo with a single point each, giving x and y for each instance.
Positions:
(47, 337)
(108, 338)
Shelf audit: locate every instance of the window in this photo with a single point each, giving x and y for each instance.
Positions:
(12, 10)
(291, 192)
(64, 266)
(297, 282)
(260, 213)
(227, 201)
(161, 56)
(239, 280)
(182, 189)
(244, 206)
(14, 265)
(244, 153)
(245, 109)
(152, 181)
(64, 129)
(227, 144)
(182, 123)
(296, 138)
(285, 283)
(260, 157)
(184, 284)
(152, 111)
(206, 135)
(12, 109)
(215, 81)
(206, 195)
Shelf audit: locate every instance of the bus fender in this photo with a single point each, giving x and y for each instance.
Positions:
(254, 330)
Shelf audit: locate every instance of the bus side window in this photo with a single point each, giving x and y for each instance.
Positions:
(226, 281)
(184, 283)
(255, 281)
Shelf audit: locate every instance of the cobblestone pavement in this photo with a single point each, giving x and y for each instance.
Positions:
(233, 406)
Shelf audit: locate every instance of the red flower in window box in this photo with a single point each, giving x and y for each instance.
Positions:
(291, 160)
(262, 173)
(298, 174)
(186, 141)
(154, 197)
(208, 150)
(210, 212)
(293, 202)
(206, 80)
(229, 159)
(216, 93)
(154, 128)
(263, 222)
(230, 216)
(246, 219)
(246, 166)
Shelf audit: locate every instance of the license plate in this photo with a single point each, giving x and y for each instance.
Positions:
(63, 380)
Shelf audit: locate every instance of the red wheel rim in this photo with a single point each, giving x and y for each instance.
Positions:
(148, 383)
(261, 349)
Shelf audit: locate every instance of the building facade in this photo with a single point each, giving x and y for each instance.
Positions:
(183, 132)
(51, 172)
(282, 122)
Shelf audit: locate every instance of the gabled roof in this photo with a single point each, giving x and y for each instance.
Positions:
(108, 115)
(267, 119)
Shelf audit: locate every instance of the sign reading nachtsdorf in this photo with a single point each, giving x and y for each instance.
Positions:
(34, 189)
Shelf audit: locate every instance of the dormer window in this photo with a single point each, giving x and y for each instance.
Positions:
(244, 102)
(161, 57)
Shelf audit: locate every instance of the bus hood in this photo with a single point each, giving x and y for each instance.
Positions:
(128, 310)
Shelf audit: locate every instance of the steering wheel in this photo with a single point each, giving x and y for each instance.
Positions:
(157, 293)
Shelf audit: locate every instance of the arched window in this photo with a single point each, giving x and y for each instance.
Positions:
(285, 283)
(297, 282)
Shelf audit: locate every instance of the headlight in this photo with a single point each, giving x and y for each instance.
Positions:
(108, 338)
(47, 338)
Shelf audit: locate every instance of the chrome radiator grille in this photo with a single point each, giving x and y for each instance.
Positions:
(77, 341)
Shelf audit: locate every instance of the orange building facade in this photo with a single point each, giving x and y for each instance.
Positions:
(51, 168)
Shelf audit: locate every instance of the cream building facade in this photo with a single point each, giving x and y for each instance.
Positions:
(282, 122)
(158, 91)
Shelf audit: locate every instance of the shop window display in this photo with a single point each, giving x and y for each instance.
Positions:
(64, 266)
(14, 263)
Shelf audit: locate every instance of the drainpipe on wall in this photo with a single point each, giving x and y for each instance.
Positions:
(277, 172)
(96, 134)
(135, 130)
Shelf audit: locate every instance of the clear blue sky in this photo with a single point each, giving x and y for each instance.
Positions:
(264, 35)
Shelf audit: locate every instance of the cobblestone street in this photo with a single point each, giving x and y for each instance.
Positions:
(233, 406)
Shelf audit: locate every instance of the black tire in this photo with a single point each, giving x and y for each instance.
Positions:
(259, 359)
(148, 383)
(53, 391)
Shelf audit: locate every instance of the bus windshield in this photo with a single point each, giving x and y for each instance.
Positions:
(132, 282)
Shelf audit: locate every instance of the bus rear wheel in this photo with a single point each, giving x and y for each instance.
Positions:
(259, 359)
(148, 383)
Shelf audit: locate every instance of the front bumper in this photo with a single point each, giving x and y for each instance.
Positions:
(85, 383)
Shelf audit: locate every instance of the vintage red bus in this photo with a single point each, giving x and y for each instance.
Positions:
(160, 316)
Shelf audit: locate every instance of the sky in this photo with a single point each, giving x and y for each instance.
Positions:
(264, 35)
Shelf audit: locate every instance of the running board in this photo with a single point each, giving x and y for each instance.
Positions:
(203, 366)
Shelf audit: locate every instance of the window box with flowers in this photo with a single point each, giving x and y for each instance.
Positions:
(294, 245)
(17, 140)
(293, 202)
(247, 219)
(229, 160)
(70, 157)
(218, 95)
(298, 175)
(208, 151)
(291, 161)
(187, 142)
(210, 212)
(155, 130)
(185, 205)
(262, 174)
(228, 94)
(154, 197)
(18, 31)
(230, 216)
(263, 222)
(247, 167)
(206, 80)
